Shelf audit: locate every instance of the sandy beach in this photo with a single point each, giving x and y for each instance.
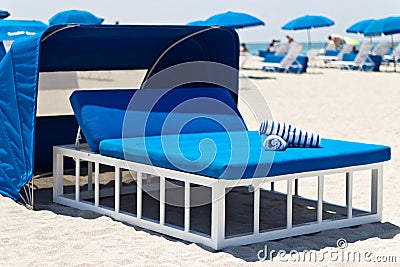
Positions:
(346, 105)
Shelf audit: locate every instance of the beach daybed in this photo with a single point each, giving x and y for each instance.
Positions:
(145, 131)
(28, 140)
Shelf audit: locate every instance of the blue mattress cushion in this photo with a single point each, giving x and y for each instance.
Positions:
(239, 154)
(332, 53)
(110, 114)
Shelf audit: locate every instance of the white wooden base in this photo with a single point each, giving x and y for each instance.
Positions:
(217, 238)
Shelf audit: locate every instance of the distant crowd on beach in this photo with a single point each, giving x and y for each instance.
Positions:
(275, 43)
(333, 39)
(338, 51)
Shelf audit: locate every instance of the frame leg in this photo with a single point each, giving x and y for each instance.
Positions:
(117, 185)
(187, 207)
(90, 176)
(139, 190)
(289, 204)
(58, 172)
(349, 194)
(377, 191)
(162, 200)
(96, 184)
(218, 215)
(320, 202)
(256, 224)
(77, 179)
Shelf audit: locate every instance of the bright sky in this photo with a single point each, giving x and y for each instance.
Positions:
(275, 13)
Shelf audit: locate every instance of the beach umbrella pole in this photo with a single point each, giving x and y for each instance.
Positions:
(392, 41)
(309, 38)
(394, 59)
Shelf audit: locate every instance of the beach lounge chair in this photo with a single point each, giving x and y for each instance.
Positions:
(289, 61)
(381, 49)
(392, 58)
(330, 47)
(395, 54)
(243, 58)
(360, 62)
(347, 48)
(316, 56)
(281, 49)
(313, 57)
(146, 132)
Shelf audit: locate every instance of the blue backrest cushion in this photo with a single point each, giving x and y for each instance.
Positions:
(110, 114)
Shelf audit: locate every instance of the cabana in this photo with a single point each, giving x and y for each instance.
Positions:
(27, 140)
(137, 146)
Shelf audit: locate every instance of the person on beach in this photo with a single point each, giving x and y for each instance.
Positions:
(243, 49)
(337, 40)
(273, 44)
(244, 54)
(289, 39)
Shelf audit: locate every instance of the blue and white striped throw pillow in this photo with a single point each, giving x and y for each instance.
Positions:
(293, 136)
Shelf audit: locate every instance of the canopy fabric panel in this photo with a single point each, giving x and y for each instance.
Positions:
(18, 92)
(15, 29)
(88, 47)
(2, 50)
(123, 47)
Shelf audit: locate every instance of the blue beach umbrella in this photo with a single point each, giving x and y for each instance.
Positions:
(386, 26)
(308, 22)
(197, 23)
(230, 19)
(14, 29)
(360, 26)
(75, 17)
(4, 14)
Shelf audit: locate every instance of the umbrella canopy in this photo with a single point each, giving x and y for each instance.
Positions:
(308, 22)
(387, 26)
(4, 14)
(230, 19)
(197, 23)
(360, 26)
(13, 29)
(75, 17)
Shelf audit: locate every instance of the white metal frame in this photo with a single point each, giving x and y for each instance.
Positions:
(217, 240)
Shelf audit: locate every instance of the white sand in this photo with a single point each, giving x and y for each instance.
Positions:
(347, 105)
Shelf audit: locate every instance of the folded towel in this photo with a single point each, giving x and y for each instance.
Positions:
(274, 143)
(293, 136)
